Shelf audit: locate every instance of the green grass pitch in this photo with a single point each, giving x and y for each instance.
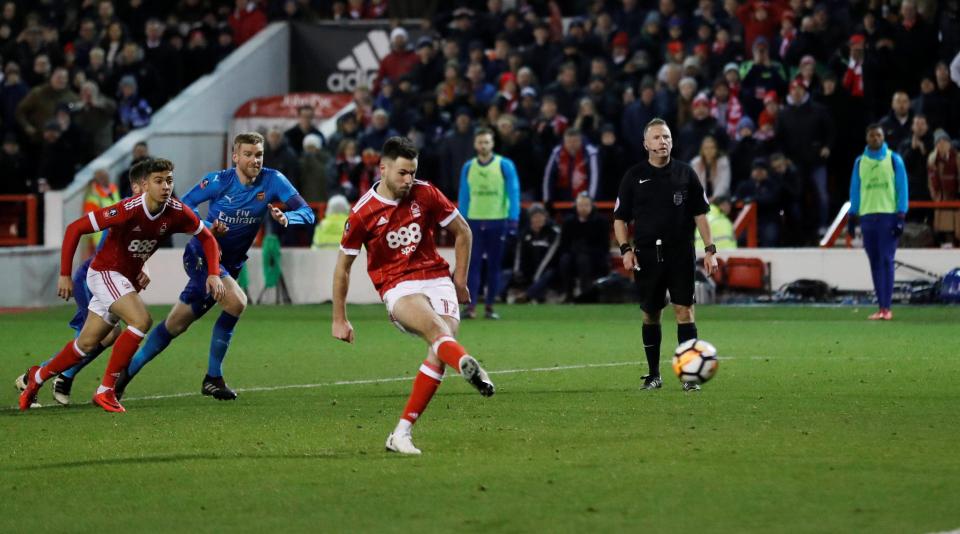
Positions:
(818, 421)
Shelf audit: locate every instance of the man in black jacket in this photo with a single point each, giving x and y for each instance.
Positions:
(534, 267)
(806, 134)
(915, 150)
(585, 248)
(767, 194)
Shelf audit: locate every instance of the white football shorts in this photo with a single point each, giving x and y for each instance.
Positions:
(106, 287)
(439, 291)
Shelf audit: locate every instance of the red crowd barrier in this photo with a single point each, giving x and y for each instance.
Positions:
(18, 220)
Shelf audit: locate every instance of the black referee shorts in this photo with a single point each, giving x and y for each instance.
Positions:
(673, 272)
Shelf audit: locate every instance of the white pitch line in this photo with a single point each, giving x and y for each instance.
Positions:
(367, 381)
(385, 380)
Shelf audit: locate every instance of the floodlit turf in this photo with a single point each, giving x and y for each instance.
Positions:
(818, 421)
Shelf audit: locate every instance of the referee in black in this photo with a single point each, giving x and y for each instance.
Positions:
(664, 199)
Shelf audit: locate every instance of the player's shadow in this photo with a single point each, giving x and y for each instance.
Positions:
(178, 458)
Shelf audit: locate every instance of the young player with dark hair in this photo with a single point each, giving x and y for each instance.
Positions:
(395, 222)
(136, 225)
(63, 383)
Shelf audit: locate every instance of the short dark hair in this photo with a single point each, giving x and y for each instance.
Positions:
(304, 107)
(874, 126)
(483, 130)
(656, 121)
(143, 169)
(247, 138)
(572, 132)
(399, 147)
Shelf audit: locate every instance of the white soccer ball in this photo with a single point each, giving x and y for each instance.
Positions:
(695, 361)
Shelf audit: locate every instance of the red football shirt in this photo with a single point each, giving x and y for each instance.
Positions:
(398, 235)
(134, 233)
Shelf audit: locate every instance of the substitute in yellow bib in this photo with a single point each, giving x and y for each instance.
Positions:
(490, 201)
(100, 194)
(878, 198)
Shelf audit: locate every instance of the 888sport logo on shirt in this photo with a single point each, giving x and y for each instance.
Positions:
(142, 248)
(406, 237)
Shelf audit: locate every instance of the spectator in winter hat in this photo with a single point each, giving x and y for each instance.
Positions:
(401, 60)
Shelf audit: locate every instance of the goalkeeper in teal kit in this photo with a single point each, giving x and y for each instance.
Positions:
(239, 200)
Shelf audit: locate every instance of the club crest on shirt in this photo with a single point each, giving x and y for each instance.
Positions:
(204, 183)
(112, 212)
(163, 228)
(346, 227)
(261, 196)
(415, 208)
(677, 198)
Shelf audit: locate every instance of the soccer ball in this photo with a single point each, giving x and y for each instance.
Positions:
(695, 361)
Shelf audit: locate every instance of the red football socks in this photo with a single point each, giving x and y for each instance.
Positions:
(449, 351)
(424, 386)
(68, 356)
(123, 350)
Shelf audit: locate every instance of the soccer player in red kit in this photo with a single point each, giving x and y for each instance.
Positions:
(136, 225)
(395, 221)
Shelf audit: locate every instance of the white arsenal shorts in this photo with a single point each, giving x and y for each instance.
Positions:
(439, 291)
(106, 287)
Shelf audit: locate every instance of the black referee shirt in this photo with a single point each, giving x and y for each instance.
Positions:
(661, 202)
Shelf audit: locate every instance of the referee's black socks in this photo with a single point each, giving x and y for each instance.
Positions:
(686, 332)
(651, 346)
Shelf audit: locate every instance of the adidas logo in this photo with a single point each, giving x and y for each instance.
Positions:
(136, 228)
(383, 220)
(360, 66)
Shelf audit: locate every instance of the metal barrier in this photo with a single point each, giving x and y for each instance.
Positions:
(18, 220)
(747, 223)
(838, 227)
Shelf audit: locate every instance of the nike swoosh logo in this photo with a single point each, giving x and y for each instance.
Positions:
(645, 181)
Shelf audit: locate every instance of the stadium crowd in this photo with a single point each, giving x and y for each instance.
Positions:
(768, 100)
(79, 74)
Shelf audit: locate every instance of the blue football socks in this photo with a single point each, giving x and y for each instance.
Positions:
(156, 341)
(220, 342)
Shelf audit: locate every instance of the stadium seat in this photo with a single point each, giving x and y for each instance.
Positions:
(747, 273)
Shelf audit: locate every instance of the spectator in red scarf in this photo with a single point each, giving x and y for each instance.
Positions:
(853, 77)
(725, 107)
(788, 33)
(246, 20)
(731, 73)
(573, 168)
(807, 74)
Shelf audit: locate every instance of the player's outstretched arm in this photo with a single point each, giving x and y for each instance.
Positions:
(462, 243)
(341, 328)
(211, 252)
(299, 212)
(71, 240)
(65, 287)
